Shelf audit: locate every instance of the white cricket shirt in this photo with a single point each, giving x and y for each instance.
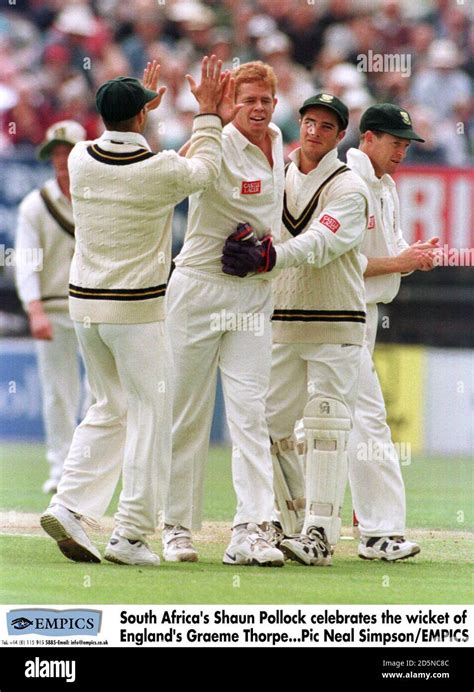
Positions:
(384, 237)
(248, 189)
(44, 250)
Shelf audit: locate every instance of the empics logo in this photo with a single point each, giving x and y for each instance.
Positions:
(54, 623)
(21, 623)
(38, 668)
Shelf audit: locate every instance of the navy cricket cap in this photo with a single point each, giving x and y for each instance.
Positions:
(122, 98)
(331, 102)
(389, 118)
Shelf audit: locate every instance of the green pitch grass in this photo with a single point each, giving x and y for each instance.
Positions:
(439, 492)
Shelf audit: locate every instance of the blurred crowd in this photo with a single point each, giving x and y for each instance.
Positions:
(55, 53)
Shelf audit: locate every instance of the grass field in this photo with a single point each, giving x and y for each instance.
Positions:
(440, 517)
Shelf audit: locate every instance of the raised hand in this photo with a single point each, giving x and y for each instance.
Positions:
(208, 92)
(227, 109)
(151, 75)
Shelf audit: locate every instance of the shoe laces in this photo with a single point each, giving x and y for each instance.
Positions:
(92, 523)
(275, 533)
(257, 536)
(304, 539)
(317, 534)
(317, 538)
(182, 542)
(177, 533)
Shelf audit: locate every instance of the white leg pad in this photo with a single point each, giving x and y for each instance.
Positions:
(327, 423)
(288, 473)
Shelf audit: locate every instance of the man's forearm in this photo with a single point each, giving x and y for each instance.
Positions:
(378, 266)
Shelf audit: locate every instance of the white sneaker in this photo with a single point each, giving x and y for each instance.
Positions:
(274, 534)
(310, 548)
(124, 551)
(388, 548)
(66, 529)
(177, 545)
(50, 486)
(249, 546)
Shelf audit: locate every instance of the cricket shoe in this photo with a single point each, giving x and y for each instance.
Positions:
(275, 534)
(177, 544)
(65, 527)
(310, 548)
(387, 548)
(125, 551)
(250, 546)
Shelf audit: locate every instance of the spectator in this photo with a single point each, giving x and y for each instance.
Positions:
(443, 68)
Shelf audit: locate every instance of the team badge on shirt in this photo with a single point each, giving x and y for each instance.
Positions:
(330, 222)
(371, 224)
(251, 187)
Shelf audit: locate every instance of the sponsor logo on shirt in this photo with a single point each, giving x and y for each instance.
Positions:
(371, 224)
(251, 187)
(330, 222)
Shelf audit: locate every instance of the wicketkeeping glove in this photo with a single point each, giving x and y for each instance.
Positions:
(243, 254)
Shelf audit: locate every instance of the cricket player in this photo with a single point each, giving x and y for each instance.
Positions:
(44, 249)
(220, 321)
(318, 330)
(377, 487)
(123, 197)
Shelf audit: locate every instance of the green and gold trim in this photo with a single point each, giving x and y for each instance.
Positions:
(114, 158)
(60, 219)
(319, 316)
(295, 226)
(117, 293)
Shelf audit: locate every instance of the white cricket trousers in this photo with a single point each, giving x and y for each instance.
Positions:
(58, 367)
(376, 482)
(299, 373)
(219, 321)
(127, 429)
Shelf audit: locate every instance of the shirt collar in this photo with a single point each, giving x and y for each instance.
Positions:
(124, 138)
(362, 165)
(241, 140)
(323, 167)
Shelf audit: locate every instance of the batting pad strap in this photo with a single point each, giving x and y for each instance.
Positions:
(320, 509)
(297, 504)
(288, 445)
(326, 424)
(285, 445)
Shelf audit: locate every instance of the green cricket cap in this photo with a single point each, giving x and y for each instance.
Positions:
(389, 118)
(331, 102)
(122, 98)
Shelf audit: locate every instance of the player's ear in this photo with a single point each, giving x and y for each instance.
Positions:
(142, 116)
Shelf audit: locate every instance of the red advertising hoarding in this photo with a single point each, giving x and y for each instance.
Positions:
(437, 201)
